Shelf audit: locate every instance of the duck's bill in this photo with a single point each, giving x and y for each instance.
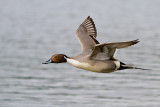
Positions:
(47, 62)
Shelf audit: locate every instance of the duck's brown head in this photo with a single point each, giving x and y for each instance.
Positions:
(57, 58)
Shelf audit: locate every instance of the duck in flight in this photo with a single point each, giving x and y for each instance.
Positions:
(94, 57)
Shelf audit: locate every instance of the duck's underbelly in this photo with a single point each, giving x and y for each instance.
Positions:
(98, 67)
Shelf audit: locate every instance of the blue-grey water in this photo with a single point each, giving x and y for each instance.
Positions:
(32, 30)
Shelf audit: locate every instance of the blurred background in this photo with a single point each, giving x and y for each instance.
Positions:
(32, 30)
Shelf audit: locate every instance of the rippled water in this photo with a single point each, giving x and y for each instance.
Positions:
(32, 30)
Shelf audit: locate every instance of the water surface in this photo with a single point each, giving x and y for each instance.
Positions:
(32, 30)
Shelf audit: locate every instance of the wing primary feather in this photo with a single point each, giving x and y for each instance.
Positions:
(86, 34)
(107, 50)
(90, 26)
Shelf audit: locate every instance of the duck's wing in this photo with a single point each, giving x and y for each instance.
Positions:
(106, 50)
(86, 34)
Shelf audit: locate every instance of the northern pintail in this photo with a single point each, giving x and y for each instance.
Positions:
(95, 57)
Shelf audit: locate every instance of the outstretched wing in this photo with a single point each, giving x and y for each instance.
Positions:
(86, 34)
(106, 50)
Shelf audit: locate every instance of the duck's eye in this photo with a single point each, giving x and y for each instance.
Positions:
(55, 57)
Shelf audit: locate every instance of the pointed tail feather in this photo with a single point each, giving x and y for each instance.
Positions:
(124, 66)
(140, 68)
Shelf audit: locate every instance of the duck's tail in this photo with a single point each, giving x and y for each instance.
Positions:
(124, 66)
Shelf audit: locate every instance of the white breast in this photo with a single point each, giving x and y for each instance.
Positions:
(83, 65)
(95, 68)
(77, 63)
